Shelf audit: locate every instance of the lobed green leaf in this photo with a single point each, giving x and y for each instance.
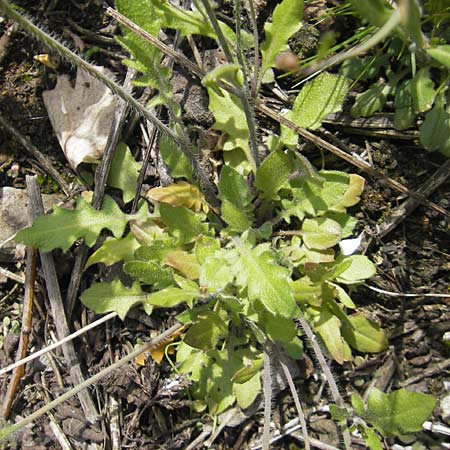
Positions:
(113, 297)
(63, 227)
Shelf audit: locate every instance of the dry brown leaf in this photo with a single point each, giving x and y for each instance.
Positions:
(81, 116)
(158, 352)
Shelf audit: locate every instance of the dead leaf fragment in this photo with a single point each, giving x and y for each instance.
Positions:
(180, 194)
(81, 116)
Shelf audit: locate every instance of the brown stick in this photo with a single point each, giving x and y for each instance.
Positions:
(58, 313)
(27, 315)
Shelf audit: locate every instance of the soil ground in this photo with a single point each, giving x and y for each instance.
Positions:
(413, 258)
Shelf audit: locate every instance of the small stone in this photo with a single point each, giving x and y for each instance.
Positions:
(445, 408)
(14, 217)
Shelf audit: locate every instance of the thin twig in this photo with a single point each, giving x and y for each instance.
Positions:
(27, 315)
(56, 303)
(57, 344)
(401, 294)
(7, 273)
(220, 36)
(36, 154)
(290, 428)
(267, 392)
(54, 425)
(427, 373)
(256, 61)
(398, 215)
(7, 431)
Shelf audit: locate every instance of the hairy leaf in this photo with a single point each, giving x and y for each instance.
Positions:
(321, 233)
(265, 280)
(440, 53)
(370, 101)
(239, 219)
(273, 173)
(194, 22)
(364, 335)
(114, 296)
(422, 90)
(146, 231)
(230, 118)
(328, 326)
(286, 20)
(372, 439)
(400, 412)
(176, 160)
(343, 297)
(63, 227)
(179, 194)
(233, 187)
(205, 246)
(404, 116)
(215, 274)
(278, 328)
(435, 130)
(318, 98)
(124, 172)
(146, 57)
(155, 251)
(171, 296)
(181, 222)
(360, 269)
(249, 371)
(352, 193)
(247, 392)
(236, 210)
(376, 12)
(114, 250)
(207, 331)
(186, 263)
(149, 272)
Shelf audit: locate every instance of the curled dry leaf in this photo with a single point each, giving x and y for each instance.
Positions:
(81, 116)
